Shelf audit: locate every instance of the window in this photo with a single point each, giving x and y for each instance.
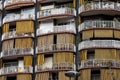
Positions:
(95, 75)
(53, 76)
(90, 54)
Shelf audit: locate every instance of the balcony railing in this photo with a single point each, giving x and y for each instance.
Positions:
(13, 34)
(17, 52)
(55, 11)
(58, 29)
(99, 24)
(94, 63)
(16, 2)
(100, 6)
(15, 69)
(55, 66)
(15, 17)
(99, 44)
(56, 47)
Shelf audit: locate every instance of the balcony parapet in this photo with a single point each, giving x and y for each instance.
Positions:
(99, 25)
(99, 6)
(17, 3)
(70, 28)
(99, 44)
(18, 17)
(15, 70)
(56, 48)
(56, 12)
(17, 52)
(55, 66)
(13, 34)
(96, 63)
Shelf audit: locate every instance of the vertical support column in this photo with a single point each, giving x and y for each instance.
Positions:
(35, 40)
(77, 37)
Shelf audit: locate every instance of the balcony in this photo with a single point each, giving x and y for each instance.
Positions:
(94, 63)
(94, 8)
(54, 67)
(13, 34)
(12, 53)
(11, 4)
(69, 28)
(46, 1)
(56, 48)
(99, 44)
(15, 70)
(55, 13)
(18, 17)
(99, 25)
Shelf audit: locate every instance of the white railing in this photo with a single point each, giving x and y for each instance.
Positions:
(15, 52)
(55, 66)
(99, 44)
(15, 17)
(12, 2)
(100, 5)
(92, 63)
(15, 69)
(56, 47)
(55, 11)
(13, 34)
(57, 29)
(99, 24)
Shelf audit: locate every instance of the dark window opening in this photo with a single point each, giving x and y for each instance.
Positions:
(54, 76)
(12, 27)
(55, 39)
(11, 78)
(95, 75)
(90, 54)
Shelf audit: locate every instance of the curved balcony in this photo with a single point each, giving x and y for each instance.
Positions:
(56, 48)
(18, 17)
(12, 53)
(99, 44)
(55, 13)
(15, 70)
(54, 67)
(13, 34)
(94, 63)
(99, 25)
(70, 28)
(11, 4)
(93, 8)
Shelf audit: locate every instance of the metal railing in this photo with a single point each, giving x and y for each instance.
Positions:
(100, 5)
(13, 34)
(15, 52)
(99, 44)
(57, 29)
(99, 24)
(15, 17)
(12, 2)
(15, 69)
(56, 47)
(55, 66)
(93, 63)
(55, 11)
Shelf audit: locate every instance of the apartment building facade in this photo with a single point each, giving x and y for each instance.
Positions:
(43, 39)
